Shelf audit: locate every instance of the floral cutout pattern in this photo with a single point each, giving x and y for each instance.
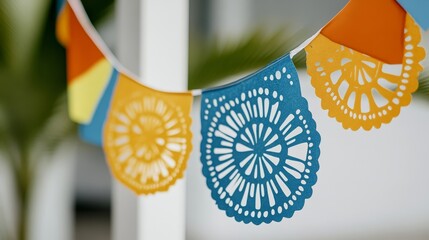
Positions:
(360, 91)
(147, 137)
(260, 147)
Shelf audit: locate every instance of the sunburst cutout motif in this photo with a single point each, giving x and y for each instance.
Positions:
(147, 137)
(259, 145)
(360, 91)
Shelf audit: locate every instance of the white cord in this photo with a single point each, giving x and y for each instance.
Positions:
(303, 45)
(196, 92)
(83, 19)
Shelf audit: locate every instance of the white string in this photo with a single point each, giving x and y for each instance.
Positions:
(196, 92)
(83, 19)
(303, 45)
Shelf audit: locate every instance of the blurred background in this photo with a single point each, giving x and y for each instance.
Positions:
(372, 185)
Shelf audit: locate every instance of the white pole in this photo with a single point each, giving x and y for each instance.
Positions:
(164, 58)
(124, 201)
(231, 18)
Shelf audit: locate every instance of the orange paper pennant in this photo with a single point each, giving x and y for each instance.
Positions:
(371, 27)
(147, 136)
(82, 53)
(358, 90)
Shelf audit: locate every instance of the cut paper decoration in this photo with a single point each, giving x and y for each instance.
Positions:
(358, 90)
(88, 72)
(259, 147)
(93, 131)
(147, 136)
(419, 10)
(371, 27)
(62, 24)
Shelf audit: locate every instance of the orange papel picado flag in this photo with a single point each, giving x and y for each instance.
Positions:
(147, 136)
(88, 71)
(361, 91)
(371, 27)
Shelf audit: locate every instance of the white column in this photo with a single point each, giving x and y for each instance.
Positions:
(124, 201)
(230, 18)
(164, 58)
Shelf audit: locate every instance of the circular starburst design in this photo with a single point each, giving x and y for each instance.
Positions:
(147, 143)
(259, 154)
(358, 90)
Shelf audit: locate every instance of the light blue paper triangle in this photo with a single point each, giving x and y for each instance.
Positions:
(260, 146)
(93, 131)
(419, 10)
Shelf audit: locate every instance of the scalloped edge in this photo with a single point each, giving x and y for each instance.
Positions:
(420, 52)
(278, 218)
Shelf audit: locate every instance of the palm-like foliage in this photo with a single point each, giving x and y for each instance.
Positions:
(33, 117)
(217, 60)
(424, 84)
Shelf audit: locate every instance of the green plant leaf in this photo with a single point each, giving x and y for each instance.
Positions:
(56, 128)
(212, 62)
(29, 94)
(7, 144)
(423, 89)
(33, 113)
(22, 22)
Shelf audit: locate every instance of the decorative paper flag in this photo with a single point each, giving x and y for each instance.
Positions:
(419, 10)
(62, 25)
(371, 27)
(93, 131)
(88, 72)
(358, 90)
(259, 147)
(147, 136)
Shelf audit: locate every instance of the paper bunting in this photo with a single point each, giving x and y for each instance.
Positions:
(358, 90)
(259, 147)
(88, 72)
(419, 10)
(93, 131)
(147, 136)
(371, 27)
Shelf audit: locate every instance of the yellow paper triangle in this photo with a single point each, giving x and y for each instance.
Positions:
(86, 90)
